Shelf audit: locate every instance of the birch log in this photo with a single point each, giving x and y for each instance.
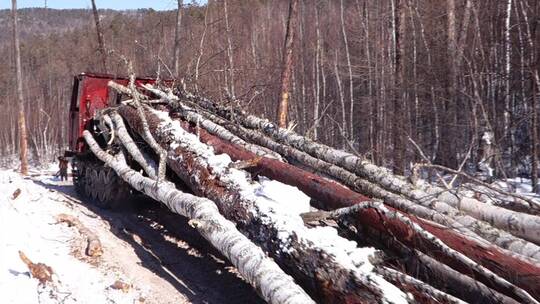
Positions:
(522, 225)
(187, 173)
(296, 249)
(261, 272)
(522, 273)
(131, 146)
(428, 290)
(193, 116)
(439, 212)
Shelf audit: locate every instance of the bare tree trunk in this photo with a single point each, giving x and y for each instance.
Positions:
(101, 45)
(448, 146)
(287, 64)
(342, 101)
(398, 117)
(534, 141)
(507, 66)
(229, 51)
(176, 54)
(535, 79)
(351, 87)
(201, 48)
(23, 138)
(317, 73)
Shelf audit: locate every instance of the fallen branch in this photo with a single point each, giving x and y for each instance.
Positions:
(93, 245)
(40, 271)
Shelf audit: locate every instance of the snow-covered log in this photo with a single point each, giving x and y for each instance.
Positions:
(439, 212)
(131, 146)
(330, 268)
(193, 116)
(522, 225)
(260, 271)
(336, 196)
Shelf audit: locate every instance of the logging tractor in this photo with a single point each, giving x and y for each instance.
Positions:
(91, 95)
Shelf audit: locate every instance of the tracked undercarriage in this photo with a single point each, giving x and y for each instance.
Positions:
(99, 183)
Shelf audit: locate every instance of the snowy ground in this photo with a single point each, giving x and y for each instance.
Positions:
(155, 252)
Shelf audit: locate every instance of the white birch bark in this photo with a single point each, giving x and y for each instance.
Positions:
(525, 226)
(239, 192)
(522, 225)
(131, 146)
(193, 116)
(436, 211)
(260, 271)
(349, 66)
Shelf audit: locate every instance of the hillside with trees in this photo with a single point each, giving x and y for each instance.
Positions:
(396, 82)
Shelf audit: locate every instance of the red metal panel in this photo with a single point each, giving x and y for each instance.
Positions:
(91, 93)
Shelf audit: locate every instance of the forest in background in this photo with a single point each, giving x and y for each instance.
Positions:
(397, 81)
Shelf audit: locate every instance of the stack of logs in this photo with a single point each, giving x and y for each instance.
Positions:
(433, 245)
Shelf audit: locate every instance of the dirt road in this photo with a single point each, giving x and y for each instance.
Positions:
(164, 259)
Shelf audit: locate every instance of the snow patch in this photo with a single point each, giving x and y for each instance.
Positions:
(27, 223)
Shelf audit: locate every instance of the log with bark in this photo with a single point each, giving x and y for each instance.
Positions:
(522, 225)
(261, 272)
(336, 196)
(442, 213)
(201, 172)
(325, 269)
(373, 219)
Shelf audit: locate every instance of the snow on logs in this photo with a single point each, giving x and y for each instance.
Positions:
(329, 267)
(522, 225)
(438, 212)
(522, 272)
(518, 274)
(260, 271)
